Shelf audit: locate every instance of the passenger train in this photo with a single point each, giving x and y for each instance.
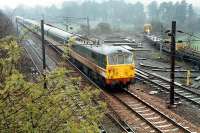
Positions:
(109, 66)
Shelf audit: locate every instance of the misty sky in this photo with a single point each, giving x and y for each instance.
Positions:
(14, 3)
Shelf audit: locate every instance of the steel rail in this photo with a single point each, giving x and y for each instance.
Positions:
(157, 111)
(38, 70)
(125, 128)
(181, 90)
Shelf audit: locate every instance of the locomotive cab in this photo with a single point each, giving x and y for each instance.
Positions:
(107, 65)
(147, 28)
(120, 68)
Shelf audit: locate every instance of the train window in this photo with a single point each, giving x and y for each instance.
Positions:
(124, 58)
(102, 61)
(112, 59)
(128, 58)
(120, 59)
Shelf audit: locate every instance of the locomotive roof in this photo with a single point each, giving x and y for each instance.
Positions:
(107, 49)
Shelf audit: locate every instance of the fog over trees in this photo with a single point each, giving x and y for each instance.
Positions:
(6, 26)
(118, 12)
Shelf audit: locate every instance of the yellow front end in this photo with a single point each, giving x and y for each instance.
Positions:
(181, 46)
(122, 73)
(147, 28)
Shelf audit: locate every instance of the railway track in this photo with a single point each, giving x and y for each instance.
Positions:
(158, 121)
(51, 63)
(144, 111)
(123, 125)
(34, 58)
(164, 84)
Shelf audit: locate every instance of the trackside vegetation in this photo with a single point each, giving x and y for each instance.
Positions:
(26, 107)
